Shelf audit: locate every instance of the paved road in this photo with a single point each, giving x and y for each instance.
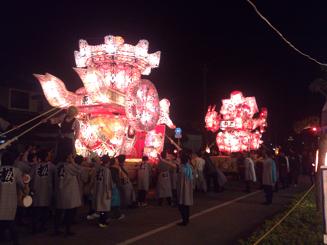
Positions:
(221, 218)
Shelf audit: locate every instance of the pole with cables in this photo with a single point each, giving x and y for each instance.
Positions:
(27, 122)
(9, 142)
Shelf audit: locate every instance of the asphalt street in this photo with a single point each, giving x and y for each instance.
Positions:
(217, 218)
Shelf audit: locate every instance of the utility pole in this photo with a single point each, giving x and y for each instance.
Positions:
(204, 84)
(322, 155)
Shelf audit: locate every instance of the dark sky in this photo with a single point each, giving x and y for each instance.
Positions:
(238, 48)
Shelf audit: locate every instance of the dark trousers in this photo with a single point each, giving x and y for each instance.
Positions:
(141, 195)
(212, 177)
(65, 146)
(103, 217)
(284, 181)
(268, 189)
(174, 192)
(160, 201)
(184, 210)
(68, 218)
(294, 177)
(9, 225)
(20, 215)
(88, 202)
(115, 212)
(312, 178)
(39, 218)
(248, 186)
(277, 186)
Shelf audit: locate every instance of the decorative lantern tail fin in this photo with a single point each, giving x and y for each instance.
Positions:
(55, 91)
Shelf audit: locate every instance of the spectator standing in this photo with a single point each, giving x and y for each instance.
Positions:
(249, 172)
(268, 177)
(115, 200)
(295, 166)
(143, 180)
(200, 181)
(102, 193)
(42, 186)
(68, 197)
(185, 189)
(164, 190)
(10, 180)
(127, 192)
(283, 170)
(210, 173)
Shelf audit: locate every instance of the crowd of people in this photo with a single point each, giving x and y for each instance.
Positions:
(272, 171)
(58, 187)
(103, 186)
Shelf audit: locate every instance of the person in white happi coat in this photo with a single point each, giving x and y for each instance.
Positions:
(115, 199)
(128, 197)
(87, 182)
(164, 190)
(173, 159)
(185, 188)
(68, 197)
(102, 193)
(222, 180)
(200, 181)
(42, 186)
(269, 176)
(249, 172)
(143, 180)
(25, 161)
(10, 179)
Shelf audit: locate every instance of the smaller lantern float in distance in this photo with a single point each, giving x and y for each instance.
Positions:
(119, 112)
(239, 125)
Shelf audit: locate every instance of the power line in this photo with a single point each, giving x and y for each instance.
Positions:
(282, 36)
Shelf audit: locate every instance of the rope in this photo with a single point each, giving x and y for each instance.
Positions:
(282, 36)
(284, 217)
(21, 125)
(9, 142)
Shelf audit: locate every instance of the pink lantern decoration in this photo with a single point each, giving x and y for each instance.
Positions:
(142, 105)
(212, 119)
(154, 142)
(238, 129)
(115, 105)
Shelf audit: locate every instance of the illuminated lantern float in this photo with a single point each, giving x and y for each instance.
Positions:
(119, 112)
(239, 124)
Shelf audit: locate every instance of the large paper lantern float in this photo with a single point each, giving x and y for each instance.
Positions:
(239, 125)
(119, 112)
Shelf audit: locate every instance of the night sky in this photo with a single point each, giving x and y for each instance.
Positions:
(237, 47)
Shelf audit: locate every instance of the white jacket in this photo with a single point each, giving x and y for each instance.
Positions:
(249, 170)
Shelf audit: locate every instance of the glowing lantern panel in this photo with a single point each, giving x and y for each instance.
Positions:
(115, 104)
(238, 129)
